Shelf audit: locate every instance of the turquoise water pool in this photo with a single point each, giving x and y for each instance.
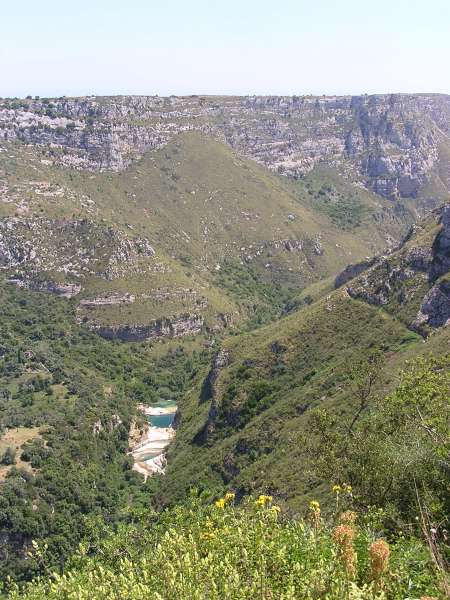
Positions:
(161, 420)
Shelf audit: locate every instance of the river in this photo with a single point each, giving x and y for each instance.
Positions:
(149, 451)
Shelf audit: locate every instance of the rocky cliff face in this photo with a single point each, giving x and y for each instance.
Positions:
(389, 143)
(167, 328)
(209, 393)
(413, 281)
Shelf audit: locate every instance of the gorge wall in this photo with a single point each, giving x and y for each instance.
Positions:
(393, 144)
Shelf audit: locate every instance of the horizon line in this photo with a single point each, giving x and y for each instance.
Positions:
(216, 95)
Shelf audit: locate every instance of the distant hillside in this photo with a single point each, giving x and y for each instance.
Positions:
(397, 145)
(188, 238)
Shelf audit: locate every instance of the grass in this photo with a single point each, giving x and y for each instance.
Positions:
(277, 375)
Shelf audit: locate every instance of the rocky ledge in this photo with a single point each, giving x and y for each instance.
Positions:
(169, 328)
(66, 290)
(413, 277)
(435, 308)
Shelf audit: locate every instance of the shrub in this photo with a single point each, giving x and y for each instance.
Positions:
(9, 456)
(253, 551)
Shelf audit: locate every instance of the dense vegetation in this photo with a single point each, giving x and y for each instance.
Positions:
(380, 536)
(306, 408)
(70, 397)
(385, 457)
(253, 551)
(262, 301)
(395, 450)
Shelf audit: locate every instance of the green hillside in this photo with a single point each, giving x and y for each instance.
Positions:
(282, 382)
(184, 224)
(67, 400)
(274, 379)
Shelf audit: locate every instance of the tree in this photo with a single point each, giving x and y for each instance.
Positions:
(365, 376)
(9, 456)
(395, 454)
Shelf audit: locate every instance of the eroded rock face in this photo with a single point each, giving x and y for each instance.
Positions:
(441, 246)
(435, 308)
(176, 327)
(390, 143)
(76, 248)
(208, 393)
(411, 275)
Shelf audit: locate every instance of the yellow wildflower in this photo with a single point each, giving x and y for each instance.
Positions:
(337, 489)
(263, 500)
(314, 507)
(230, 496)
(220, 503)
(275, 508)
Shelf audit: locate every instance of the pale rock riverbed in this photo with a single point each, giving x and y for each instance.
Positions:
(148, 449)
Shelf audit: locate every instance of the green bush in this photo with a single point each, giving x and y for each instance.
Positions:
(396, 455)
(8, 457)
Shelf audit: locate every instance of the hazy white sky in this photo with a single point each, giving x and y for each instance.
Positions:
(54, 47)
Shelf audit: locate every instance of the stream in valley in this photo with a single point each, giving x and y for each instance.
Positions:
(149, 452)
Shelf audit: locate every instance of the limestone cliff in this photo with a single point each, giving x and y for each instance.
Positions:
(392, 144)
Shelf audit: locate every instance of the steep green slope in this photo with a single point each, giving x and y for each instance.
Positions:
(245, 430)
(244, 422)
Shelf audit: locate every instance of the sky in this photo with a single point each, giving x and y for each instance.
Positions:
(105, 47)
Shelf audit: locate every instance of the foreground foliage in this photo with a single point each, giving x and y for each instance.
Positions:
(395, 452)
(249, 552)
